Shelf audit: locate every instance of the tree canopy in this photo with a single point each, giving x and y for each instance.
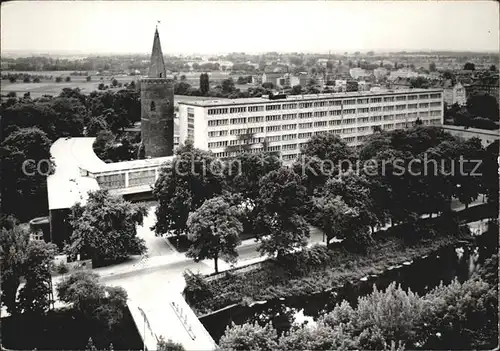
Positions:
(214, 231)
(280, 224)
(26, 162)
(105, 229)
(193, 177)
(27, 260)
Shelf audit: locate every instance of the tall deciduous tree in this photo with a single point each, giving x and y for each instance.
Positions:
(329, 146)
(25, 166)
(467, 182)
(35, 295)
(483, 105)
(13, 243)
(105, 229)
(246, 169)
(280, 225)
(214, 231)
(228, 85)
(204, 83)
(92, 300)
(193, 177)
(355, 192)
(469, 66)
(489, 173)
(96, 125)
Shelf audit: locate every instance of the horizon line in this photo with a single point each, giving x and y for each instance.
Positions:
(336, 52)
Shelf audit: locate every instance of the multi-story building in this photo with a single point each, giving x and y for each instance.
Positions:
(299, 79)
(285, 124)
(357, 73)
(272, 77)
(380, 72)
(402, 73)
(455, 94)
(488, 86)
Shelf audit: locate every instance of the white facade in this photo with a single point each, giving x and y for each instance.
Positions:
(300, 79)
(357, 72)
(402, 73)
(455, 94)
(287, 124)
(380, 72)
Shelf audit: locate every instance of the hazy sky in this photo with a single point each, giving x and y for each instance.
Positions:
(249, 26)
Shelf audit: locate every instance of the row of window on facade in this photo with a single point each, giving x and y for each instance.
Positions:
(343, 131)
(345, 121)
(135, 178)
(304, 115)
(323, 103)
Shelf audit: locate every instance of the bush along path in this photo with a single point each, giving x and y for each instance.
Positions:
(319, 268)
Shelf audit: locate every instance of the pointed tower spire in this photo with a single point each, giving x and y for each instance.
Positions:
(157, 65)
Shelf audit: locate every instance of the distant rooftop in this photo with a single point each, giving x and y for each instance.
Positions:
(266, 99)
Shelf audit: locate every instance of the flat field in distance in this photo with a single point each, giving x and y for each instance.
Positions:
(51, 87)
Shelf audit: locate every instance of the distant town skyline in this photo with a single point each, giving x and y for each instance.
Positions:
(203, 27)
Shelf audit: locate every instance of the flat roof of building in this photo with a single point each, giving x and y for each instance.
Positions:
(66, 186)
(290, 98)
(494, 133)
(72, 157)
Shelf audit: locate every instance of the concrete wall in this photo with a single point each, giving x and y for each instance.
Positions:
(487, 137)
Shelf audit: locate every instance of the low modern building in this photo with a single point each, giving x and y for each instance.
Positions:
(79, 171)
(285, 124)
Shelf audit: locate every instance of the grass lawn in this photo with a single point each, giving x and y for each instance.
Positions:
(274, 282)
(52, 88)
(326, 270)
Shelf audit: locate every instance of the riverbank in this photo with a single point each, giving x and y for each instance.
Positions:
(319, 269)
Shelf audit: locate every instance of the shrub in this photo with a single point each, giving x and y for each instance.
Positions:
(62, 268)
(465, 315)
(303, 261)
(392, 314)
(81, 289)
(197, 289)
(249, 337)
(105, 305)
(483, 123)
(168, 345)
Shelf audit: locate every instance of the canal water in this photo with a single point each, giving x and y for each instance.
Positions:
(420, 275)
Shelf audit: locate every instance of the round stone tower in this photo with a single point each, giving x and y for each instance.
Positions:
(157, 106)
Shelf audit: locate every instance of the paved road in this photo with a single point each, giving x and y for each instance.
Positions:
(157, 246)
